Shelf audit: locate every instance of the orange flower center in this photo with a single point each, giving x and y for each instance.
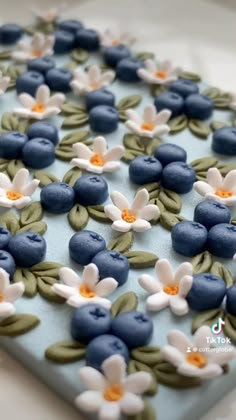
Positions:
(115, 42)
(37, 53)
(113, 393)
(173, 289)
(224, 194)
(128, 216)
(1, 297)
(86, 292)
(13, 195)
(161, 74)
(38, 107)
(97, 160)
(94, 86)
(196, 359)
(147, 126)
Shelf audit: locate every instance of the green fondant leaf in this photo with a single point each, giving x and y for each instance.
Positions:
(98, 213)
(9, 122)
(78, 217)
(129, 102)
(178, 124)
(230, 327)
(148, 413)
(29, 29)
(66, 352)
(202, 262)
(29, 280)
(71, 108)
(156, 90)
(5, 54)
(166, 374)
(13, 167)
(153, 189)
(141, 259)
(159, 204)
(225, 168)
(45, 289)
(135, 366)
(75, 120)
(169, 220)
(9, 220)
(152, 146)
(18, 324)
(14, 71)
(75, 137)
(122, 116)
(206, 318)
(45, 178)
(211, 92)
(46, 269)
(64, 153)
(79, 55)
(216, 125)
(220, 270)
(203, 164)
(32, 213)
(199, 128)
(133, 142)
(124, 303)
(37, 227)
(170, 200)
(149, 355)
(121, 243)
(190, 76)
(72, 176)
(222, 102)
(145, 55)
(130, 155)
(3, 165)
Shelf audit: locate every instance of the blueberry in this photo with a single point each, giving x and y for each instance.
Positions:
(84, 245)
(91, 190)
(43, 129)
(38, 153)
(207, 292)
(104, 346)
(10, 33)
(210, 213)
(99, 97)
(64, 42)
(70, 25)
(59, 79)
(103, 119)
(145, 169)
(90, 321)
(11, 144)
(88, 39)
(57, 197)
(27, 248)
(172, 101)
(29, 82)
(41, 64)
(134, 328)
(127, 69)
(198, 107)
(184, 87)
(189, 238)
(167, 153)
(5, 237)
(231, 300)
(178, 177)
(113, 55)
(112, 264)
(7, 262)
(224, 141)
(222, 240)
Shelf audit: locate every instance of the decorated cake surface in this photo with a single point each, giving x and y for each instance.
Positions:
(117, 222)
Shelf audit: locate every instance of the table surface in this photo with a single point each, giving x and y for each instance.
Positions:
(199, 35)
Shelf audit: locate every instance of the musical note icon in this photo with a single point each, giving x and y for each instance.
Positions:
(217, 328)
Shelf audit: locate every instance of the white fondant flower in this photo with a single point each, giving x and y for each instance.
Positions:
(152, 123)
(114, 37)
(42, 106)
(159, 73)
(50, 15)
(8, 294)
(17, 193)
(40, 46)
(190, 359)
(168, 289)
(113, 393)
(233, 102)
(87, 289)
(218, 188)
(99, 159)
(4, 83)
(93, 79)
(135, 217)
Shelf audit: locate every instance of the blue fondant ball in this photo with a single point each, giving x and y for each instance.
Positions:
(10, 33)
(103, 119)
(207, 292)
(57, 197)
(99, 97)
(41, 64)
(167, 153)
(29, 82)
(104, 346)
(189, 238)
(210, 213)
(38, 153)
(43, 129)
(231, 300)
(27, 248)
(91, 190)
(198, 107)
(135, 328)
(90, 321)
(184, 87)
(113, 55)
(112, 264)
(145, 169)
(59, 79)
(88, 39)
(127, 69)
(224, 141)
(84, 245)
(5, 237)
(11, 144)
(64, 42)
(178, 177)
(172, 101)
(7, 262)
(70, 25)
(222, 240)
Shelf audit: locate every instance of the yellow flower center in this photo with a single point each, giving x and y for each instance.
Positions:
(86, 292)
(94, 86)
(97, 160)
(1, 297)
(115, 42)
(173, 289)
(224, 194)
(38, 108)
(13, 195)
(196, 359)
(37, 53)
(128, 216)
(113, 393)
(147, 126)
(161, 74)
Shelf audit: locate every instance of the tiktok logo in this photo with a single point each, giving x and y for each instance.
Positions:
(217, 328)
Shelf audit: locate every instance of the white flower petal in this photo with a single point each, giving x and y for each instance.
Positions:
(140, 200)
(56, 100)
(131, 404)
(69, 277)
(141, 225)
(107, 77)
(222, 358)
(133, 115)
(84, 164)
(109, 411)
(138, 382)
(164, 271)
(4, 280)
(119, 200)
(151, 65)
(200, 336)
(203, 188)
(111, 166)
(20, 179)
(184, 269)
(231, 201)
(5, 202)
(5, 182)
(121, 226)
(160, 130)
(106, 286)
(157, 302)
(179, 305)
(209, 371)
(42, 94)
(6, 309)
(100, 145)
(162, 117)
(14, 291)
(185, 285)
(82, 151)
(29, 189)
(149, 284)
(92, 379)
(90, 276)
(145, 74)
(149, 114)
(21, 202)
(172, 355)
(114, 369)
(64, 291)
(179, 340)
(114, 154)
(229, 183)
(214, 178)
(26, 100)
(149, 212)
(89, 401)
(112, 212)
(94, 73)
(135, 128)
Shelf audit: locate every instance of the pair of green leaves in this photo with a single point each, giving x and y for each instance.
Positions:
(128, 102)
(137, 146)
(204, 263)
(75, 115)
(64, 150)
(220, 99)
(13, 71)
(202, 165)
(30, 220)
(211, 317)
(79, 55)
(197, 127)
(18, 324)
